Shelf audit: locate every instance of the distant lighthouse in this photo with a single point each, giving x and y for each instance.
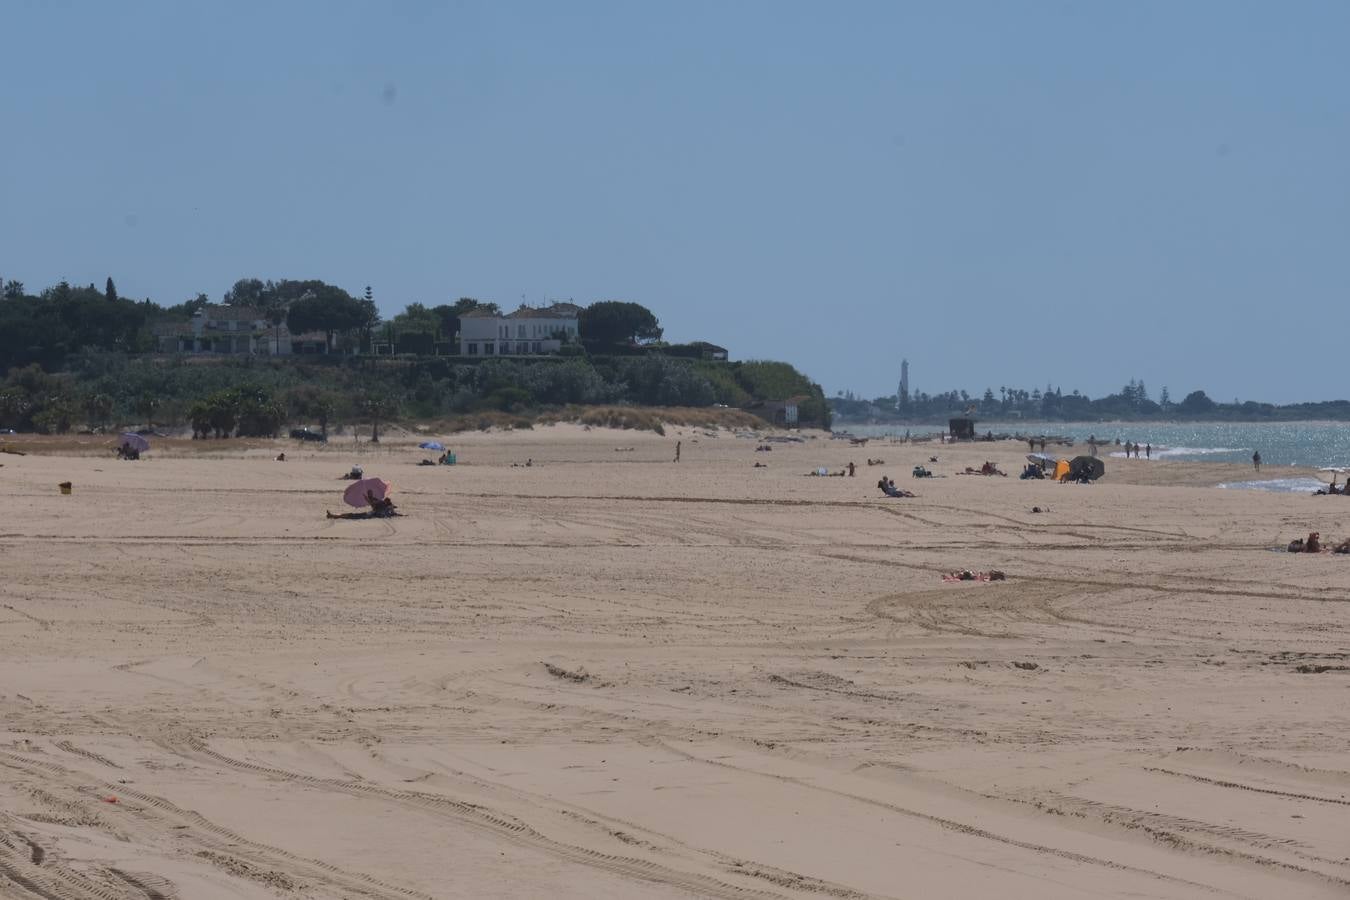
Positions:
(902, 395)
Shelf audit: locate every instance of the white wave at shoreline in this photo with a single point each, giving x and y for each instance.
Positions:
(1174, 452)
(1301, 485)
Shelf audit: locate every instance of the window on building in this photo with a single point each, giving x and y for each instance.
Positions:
(538, 347)
(488, 349)
(473, 349)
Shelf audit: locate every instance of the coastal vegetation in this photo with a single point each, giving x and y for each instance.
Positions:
(82, 358)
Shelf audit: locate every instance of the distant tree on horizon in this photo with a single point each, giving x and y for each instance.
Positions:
(611, 323)
(328, 309)
(1197, 402)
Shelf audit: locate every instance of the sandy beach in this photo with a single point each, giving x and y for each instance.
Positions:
(607, 675)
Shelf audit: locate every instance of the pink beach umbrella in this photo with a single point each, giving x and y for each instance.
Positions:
(355, 495)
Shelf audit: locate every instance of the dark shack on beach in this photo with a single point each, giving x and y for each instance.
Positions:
(962, 429)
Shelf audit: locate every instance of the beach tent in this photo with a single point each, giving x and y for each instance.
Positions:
(1061, 470)
(962, 428)
(1089, 467)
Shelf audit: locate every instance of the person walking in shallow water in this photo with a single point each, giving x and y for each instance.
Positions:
(1256, 460)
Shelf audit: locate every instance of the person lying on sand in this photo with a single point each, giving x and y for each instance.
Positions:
(364, 514)
(380, 507)
(967, 575)
(281, 457)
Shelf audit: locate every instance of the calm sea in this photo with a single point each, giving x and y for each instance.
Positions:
(1282, 444)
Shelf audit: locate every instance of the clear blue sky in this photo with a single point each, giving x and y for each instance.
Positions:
(1004, 192)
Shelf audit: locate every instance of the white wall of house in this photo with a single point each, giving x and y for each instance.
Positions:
(477, 333)
(214, 331)
(513, 335)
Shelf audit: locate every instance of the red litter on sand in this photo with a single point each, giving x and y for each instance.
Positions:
(109, 799)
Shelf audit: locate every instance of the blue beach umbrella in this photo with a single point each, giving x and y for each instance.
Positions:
(431, 445)
(135, 441)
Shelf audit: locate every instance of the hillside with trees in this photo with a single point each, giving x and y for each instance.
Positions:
(80, 358)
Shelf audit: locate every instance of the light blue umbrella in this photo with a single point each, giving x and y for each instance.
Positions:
(431, 445)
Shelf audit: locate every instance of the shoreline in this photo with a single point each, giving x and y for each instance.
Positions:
(398, 443)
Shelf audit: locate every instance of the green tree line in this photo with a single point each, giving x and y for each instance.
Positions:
(1132, 402)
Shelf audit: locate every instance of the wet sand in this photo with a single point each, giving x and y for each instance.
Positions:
(608, 675)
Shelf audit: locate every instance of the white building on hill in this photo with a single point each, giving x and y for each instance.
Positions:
(528, 331)
(235, 330)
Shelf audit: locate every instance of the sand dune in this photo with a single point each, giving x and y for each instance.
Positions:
(607, 675)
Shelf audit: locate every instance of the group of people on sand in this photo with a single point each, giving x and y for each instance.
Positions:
(1313, 544)
(1332, 489)
(1131, 448)
(126, 451)
(987, 469)
(846, 472)
(888, 488)
(445, 459)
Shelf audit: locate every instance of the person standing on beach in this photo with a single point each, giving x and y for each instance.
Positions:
(1256, 460)
(677, 451)
(1148, 451)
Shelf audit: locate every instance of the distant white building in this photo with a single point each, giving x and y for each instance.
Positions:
(528, 331)
(242, 330)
